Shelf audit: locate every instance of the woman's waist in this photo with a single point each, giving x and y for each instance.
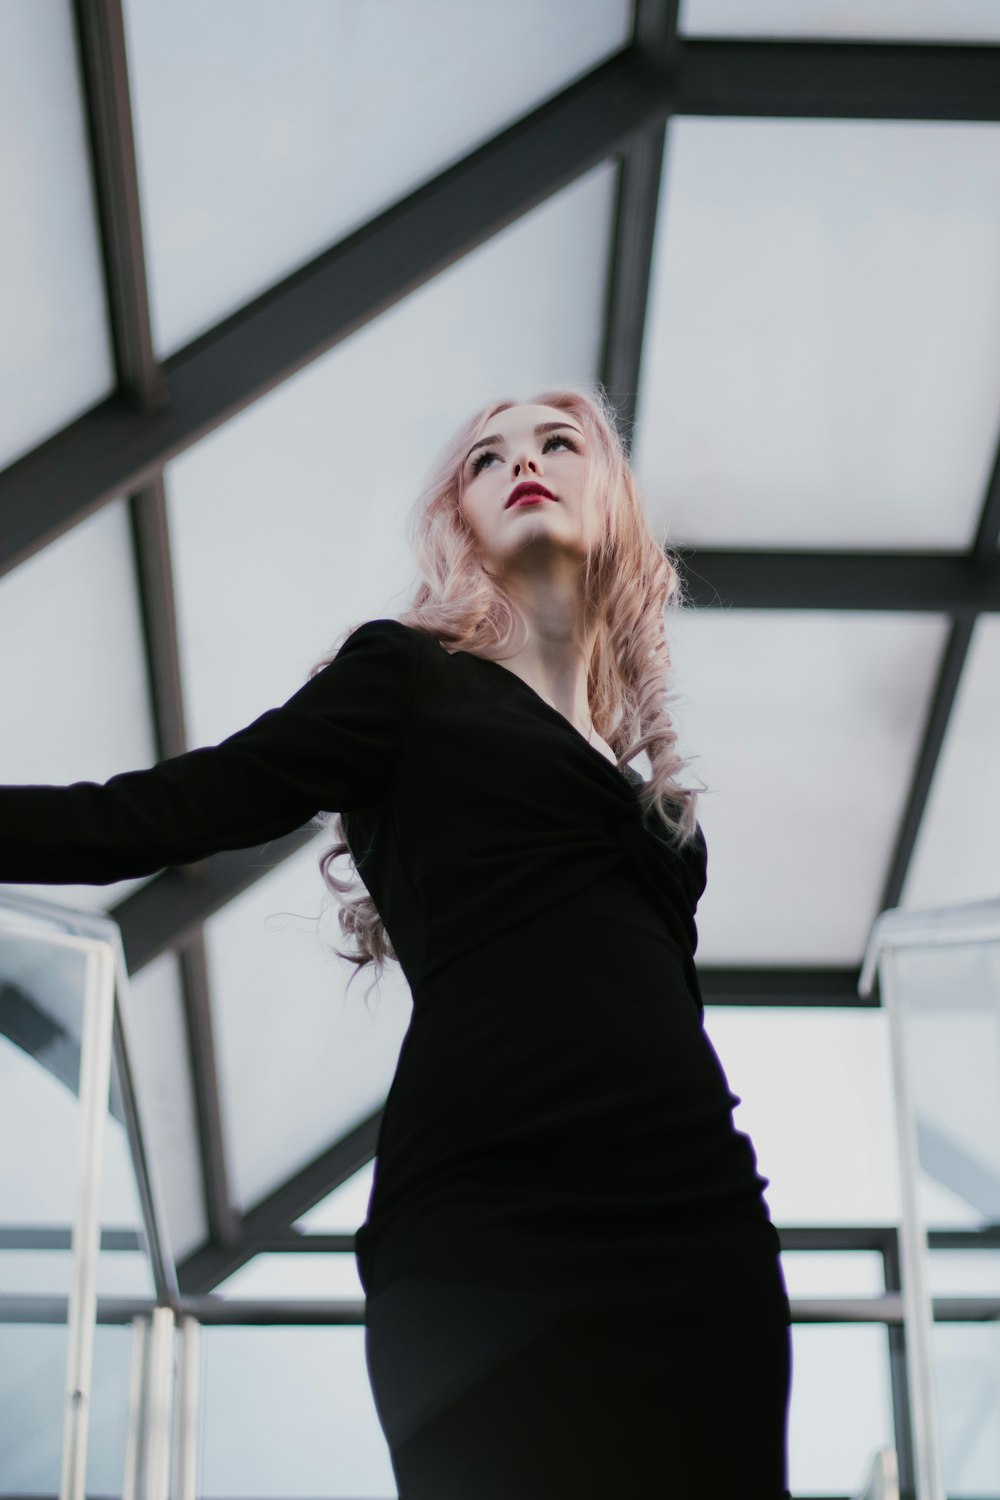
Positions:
(609, 931)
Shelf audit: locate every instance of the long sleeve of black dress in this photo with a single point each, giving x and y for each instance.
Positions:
(331, 747)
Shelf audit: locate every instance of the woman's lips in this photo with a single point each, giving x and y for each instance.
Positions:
(531, 499)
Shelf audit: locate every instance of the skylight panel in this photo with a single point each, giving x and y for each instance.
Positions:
(822, 356)
(326, 111)
(55, 354)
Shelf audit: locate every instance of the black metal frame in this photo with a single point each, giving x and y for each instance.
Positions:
(621, 111)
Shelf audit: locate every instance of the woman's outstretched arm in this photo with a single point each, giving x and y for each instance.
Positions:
(332, 746)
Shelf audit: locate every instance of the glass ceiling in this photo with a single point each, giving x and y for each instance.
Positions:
(815, 384)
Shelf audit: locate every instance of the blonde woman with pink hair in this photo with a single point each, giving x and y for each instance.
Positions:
(573, 1281)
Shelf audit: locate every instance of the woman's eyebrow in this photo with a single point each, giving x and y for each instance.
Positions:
(542, 427)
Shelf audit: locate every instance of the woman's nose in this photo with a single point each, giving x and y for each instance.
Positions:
(524, 462)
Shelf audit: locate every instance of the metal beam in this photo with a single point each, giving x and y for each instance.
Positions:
(942, 702)
(154, 571)
(222, 1218)
(782, 986)
(219, 1311)
(100, 32)
(909, 582)
(168, 909)
(838, 80)
(899, 1380)
(654, 35)
(275, 1214)
(113, 449)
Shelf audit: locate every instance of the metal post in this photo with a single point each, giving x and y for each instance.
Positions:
(159, 1407)
(136, 1408)
(95, 1081)
(918, 1312)
(188, 1398)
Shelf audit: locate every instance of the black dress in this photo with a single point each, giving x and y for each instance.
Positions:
(573, 1282)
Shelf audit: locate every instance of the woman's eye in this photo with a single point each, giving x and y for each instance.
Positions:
(479, 462)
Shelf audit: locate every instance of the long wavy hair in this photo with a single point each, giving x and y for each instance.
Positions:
(630, 586)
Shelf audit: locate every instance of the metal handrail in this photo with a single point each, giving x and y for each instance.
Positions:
(212, 1311)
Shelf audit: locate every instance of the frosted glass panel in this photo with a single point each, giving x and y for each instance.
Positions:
(833, 1273)
(822, 357)
(957, 857)
(950, 1001)
(326, 111)
(306, 494)
(342, 1210)
(55, 356)
(74, 692)
(816, 1101)
(901, 20)
(309, 1385)
(963, 1273)
(162, 1067)
(806, 728)
(296, 1276)
(301, 1062)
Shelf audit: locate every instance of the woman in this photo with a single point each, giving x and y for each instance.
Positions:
(573, 1283)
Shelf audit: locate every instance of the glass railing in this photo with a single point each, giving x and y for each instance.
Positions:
(79, 1218)
(939, 978)
(111, 1383)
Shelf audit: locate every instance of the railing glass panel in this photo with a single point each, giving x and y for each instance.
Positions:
(78, 1225)
(951, 1012)
(841, 1407)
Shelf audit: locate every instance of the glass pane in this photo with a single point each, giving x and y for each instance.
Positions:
(76, 700)
(955, 858)
(833, 1273)
(964, 1273)
(900, 20)
(301, 1059)
(342, 1210)
(949, 1006)
(840, 1412)
(41, 989)
(967, 1366)
(296, 1276)
(289, 1411)
(806, 733)
(802, 270)
(330, 109)
(32, 1366)
(950, 999)
(55, 354)
(47, 1042)
(828, 1072)
(162, 1064)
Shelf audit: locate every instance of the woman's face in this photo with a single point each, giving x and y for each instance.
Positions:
(528, 445)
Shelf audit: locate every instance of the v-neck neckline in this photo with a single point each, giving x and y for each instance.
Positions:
(630, 777)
